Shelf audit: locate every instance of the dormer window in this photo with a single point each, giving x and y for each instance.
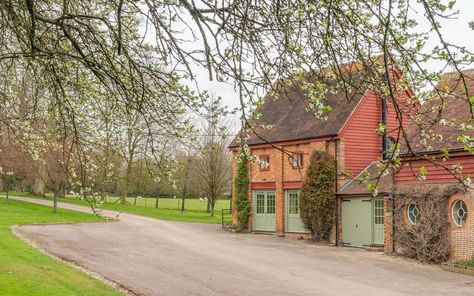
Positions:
(264, 162)
(297, 160)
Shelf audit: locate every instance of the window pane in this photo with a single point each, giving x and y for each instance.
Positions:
(293, 203)
(378, 211)
(264, 162)
(413, 213)
(260, 203)
(459, 213)
(297, 160)
(270, 203)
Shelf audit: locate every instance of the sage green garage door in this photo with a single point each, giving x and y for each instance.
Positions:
(363, 221)
(264, 210)
(356, 221)
(293, 221)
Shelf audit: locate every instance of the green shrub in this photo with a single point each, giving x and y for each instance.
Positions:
(317, 198)
(471, 262)
(242, 182)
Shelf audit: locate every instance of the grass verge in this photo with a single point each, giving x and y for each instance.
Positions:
(26, 271)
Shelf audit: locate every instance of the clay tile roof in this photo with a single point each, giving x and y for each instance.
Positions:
(456, 110)
(287, 112)
(384, 185)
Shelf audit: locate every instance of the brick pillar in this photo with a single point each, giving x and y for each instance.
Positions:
(234, 189)
(280, 197)
(250, 196)
(388, 225)
(339, 221)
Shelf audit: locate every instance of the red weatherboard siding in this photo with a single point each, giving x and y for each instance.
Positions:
(436, 173)
(361, 143)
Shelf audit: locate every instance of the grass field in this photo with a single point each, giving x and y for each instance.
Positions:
(168, 208)
(26, 271)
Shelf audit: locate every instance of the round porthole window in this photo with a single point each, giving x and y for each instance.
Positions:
(413, 213)
(459, 213)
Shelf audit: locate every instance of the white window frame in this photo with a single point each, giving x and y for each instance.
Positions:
(453, 213)
(297, 160)
(416, 216)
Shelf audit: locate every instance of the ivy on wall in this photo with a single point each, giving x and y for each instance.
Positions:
(317, 198)
(242, 183)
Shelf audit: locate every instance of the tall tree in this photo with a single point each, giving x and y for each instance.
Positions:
(214, 161)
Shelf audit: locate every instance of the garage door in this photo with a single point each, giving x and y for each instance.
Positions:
(357, 221)
(264, 210)
(293, 221)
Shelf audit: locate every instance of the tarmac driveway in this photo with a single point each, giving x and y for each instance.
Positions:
(155, 257)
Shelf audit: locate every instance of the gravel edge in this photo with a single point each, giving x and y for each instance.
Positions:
(120, 288)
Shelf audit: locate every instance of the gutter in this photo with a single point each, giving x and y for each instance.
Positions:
(432, 152)
(335, 186)
(361, 194)
(284, 141)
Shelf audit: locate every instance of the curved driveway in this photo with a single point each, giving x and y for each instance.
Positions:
(156, 257)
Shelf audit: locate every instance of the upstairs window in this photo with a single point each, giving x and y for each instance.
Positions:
(264, 162)
(297, 160)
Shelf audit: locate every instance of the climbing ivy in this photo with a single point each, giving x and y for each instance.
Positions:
(317, 198)
(242, 182)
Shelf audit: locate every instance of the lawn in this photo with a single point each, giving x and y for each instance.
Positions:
(26, 271)
(168, 208)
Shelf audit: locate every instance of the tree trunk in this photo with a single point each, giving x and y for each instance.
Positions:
(6, 186)
(127, 181)
(58, 192)
(40, 184)
(185, 183)
(61, 191)
(55, 203)
(208, 205)
(212, 203)
(18, 187)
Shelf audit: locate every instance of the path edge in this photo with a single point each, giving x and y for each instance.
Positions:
(14, 229)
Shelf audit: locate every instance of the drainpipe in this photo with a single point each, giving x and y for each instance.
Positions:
(393, 225)
(384, 122)
(385, 157)
(335, 186)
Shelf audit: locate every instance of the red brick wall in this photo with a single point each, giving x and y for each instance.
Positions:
(462, 237)
(281, 172)
(388, 226)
